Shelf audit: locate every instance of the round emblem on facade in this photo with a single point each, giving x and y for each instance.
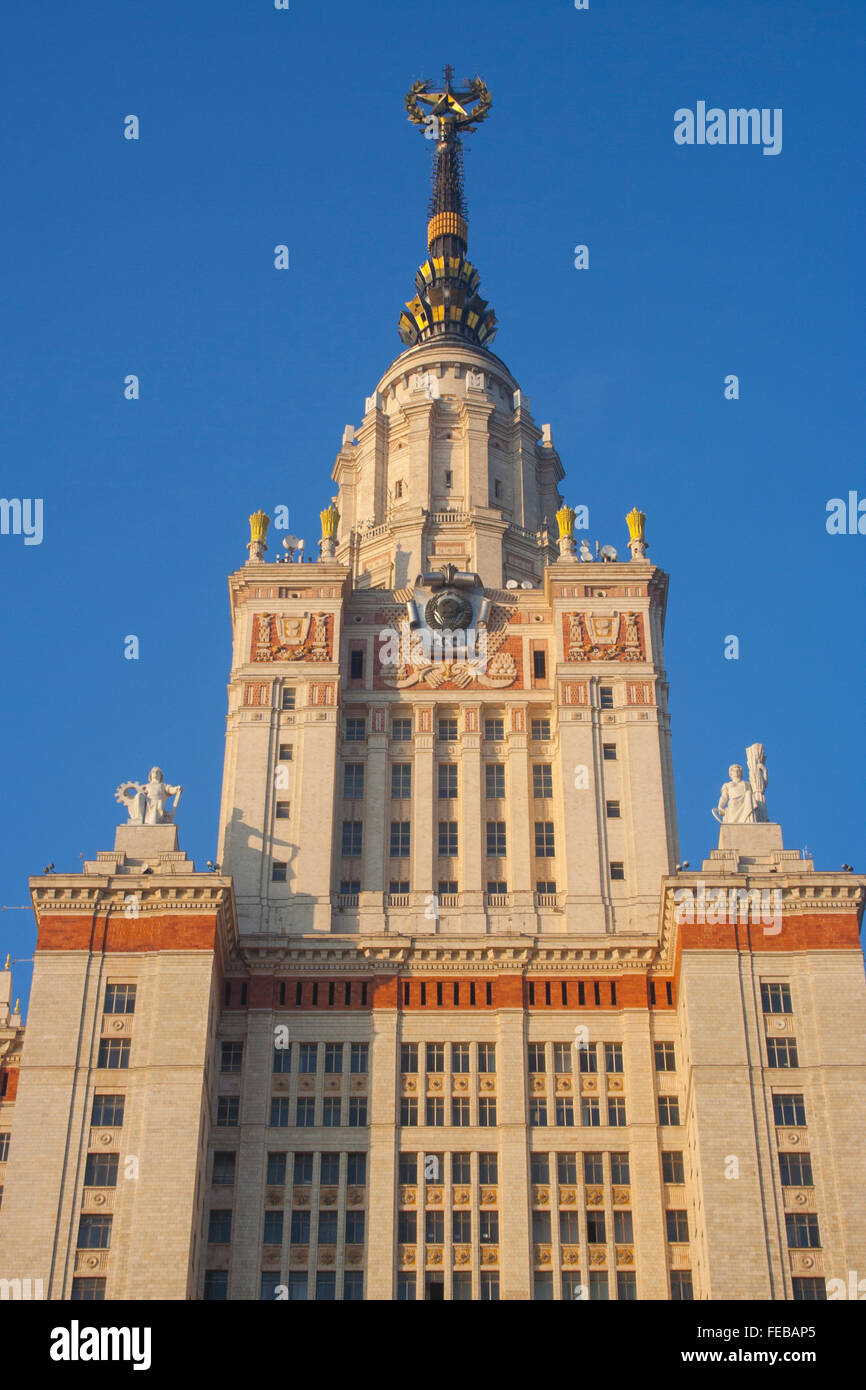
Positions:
(448, 609)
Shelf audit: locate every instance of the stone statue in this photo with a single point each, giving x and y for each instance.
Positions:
(758, 779)
(736, 802)
(146, 803)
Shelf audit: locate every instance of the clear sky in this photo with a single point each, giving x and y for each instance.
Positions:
(260, 127)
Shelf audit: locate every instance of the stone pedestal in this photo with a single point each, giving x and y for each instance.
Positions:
(145, 841)
(751, 841)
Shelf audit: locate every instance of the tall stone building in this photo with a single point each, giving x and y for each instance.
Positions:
(448, 1020)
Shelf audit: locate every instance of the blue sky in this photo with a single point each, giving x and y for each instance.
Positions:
(261, 127)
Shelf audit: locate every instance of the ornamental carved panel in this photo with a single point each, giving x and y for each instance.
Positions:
(574, 692)
(308, 637)
(258, 694)
(612, 636)
(639, 693)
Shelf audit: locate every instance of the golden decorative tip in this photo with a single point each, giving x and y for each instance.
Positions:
(259, 523)
(8, 959)
(565, 520)
(636, 521)
(330, 519)
(17, 1008)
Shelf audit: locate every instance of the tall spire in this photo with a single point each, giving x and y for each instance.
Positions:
(447, 301)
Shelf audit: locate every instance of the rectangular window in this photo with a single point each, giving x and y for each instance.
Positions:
(489, 1287)
(302, 1173)
(401, 730)
(796, 1170)
(460, 1110)
(789, 1110)
(114, 1054)
(306, 1118)
(435, 1110)
(308, 1057)
(399, 843)
(626, 1285)
(349, 887)
(283, 810)
(359, 1059)
(540, 729)
(806, 1290)
(623, 1228)
(537, 1112)
(351, 841)
(542, 781)
(539, 1168)
(408, 1058)
(299, 1232)
(566, 1168)
(487, 1112)
(596, 1230)
(608, 752)
(461, 1227)
(279, 870)
(331, 1111)
(782, 1053)
(536, 1057)
(270, 1279)
(494, 774)
(286, 753)
(231, 1057)
(354, 1228)
(495, 839)
(605, 697)
(677, 1226)
(460, 1168)
(407, 1228)
(617, 869)
(539, 665)
(223, 1174)
(401, 781)
(434, 1227)
(288, 698)
(282, 1059)
(541, 1227)
(613, 1057)
(333, 1058)
(279, 1112)
(227, 1112)
(569, 1228)
(612, 808)
(562, 1057)
(273, 1229)
(407, 1168)
(353, 781)
(776, 999)
(356, 666)
(459, 1057)
(593, 1168)
(619, 1168)
(408, 1110)
(802, 1230)
(589, 1111)
(681, 1286)
(357, 1111)
(564, 1110)
(356, 730)
(100, 1170)
(435, 1057)
(544, 842)
(496, 886)
(276, 1170)
(94, 1232)
(447, 781)
(669, 1110)
(672, 1166)
(447, 839)
(357, 1173)
(494, 730)
(107, 1112)
(616, 1110)
(327, 1228)
(446, 886)
(489, 1227)
(329, 1174)
(447, 730)
(297, 1287)
(87, 1290)
(119, 999)
(587, 1058)
(487, 1057)
(665, 1060)
(449, 477)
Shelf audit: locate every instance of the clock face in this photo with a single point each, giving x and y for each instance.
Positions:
(448, 609)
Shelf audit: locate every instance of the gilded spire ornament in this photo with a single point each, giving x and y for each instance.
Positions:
(259, 523)
(636, 522)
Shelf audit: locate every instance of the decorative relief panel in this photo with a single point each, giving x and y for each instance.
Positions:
(574, 692)
(603, 636)
(639, 693)
(258, 694)
(302, 638)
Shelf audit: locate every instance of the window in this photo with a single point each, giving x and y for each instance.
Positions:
(616, 1110)
(494, 774)
(407, 1287)
(276, 1170)
(327, 1228)
(357, 1111)
(353, 781)
(447, 730)
(357, 1171)
(333, 1058)
(587, 1058)
(809, 1290)
(434, 1227)
(100, 1170)
(356, 730)
(489, 1287)
(540, 729)
(589, 1111)
(286, 753)
(303, 1170)
(593, 1168)
(461, 1227)
(407, 1168)
(408, 1110)
(605, 697)
(401, 730)
(288, 700)
(408, 1057)
(536, 1058)
(270, 1282)
(545, 885)
(540, 1227)
(435, 1110)
(227, 1111)
(488, 1169)
(354, 1228)
(306, 1112)
(664, 1056)
(669, 1110)
(331, 1111)
(494, 730)
(608, 752)
(677, 1226)
(802, 1230)
(542, 780)
(216, 1285)
(564, 1109)
(329, 1174)
(782, 1052)
(350, 887)
(613, 1057)
(562, 1057)
(231, 1057)
(623, 1228)
(672, 1166)
(460, 1057)
(487, 1111)
(308, 1057)
(539, 665)
(566, 1168)
(487, 1057)
(435, 1054)
(537, 1111)
(297, 1287)
(356, 666)
(119, 999)
(401, 781)
(351, 843)
(279, 870)
(598, 1287)
(283, 810)
(279, 1112)
(497, 488)
(447, 839)
(496, 886)
(617, 869)
(447, 781)
(273, 1230)
(488, 1224)
(113, 1054)
(85, 1290)
(359, 1058)
(569, 1228)
(539, 1168)
(107, 1113)
(619, 1168)
(495, 839)
(544, 843)
(399, 839)
(446, 886)
(398, 885)
(612, 809)
(282, 1059)
(596, 1231)
(775, 999)
(460, 1168)
(571, 1285)
(449, 477)
(398, 489)
(407, 1227)
(460, 1110)
(796, 1170)
(681, 1286)
(299, 1231)
(788, 1110)
(219, 1231)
